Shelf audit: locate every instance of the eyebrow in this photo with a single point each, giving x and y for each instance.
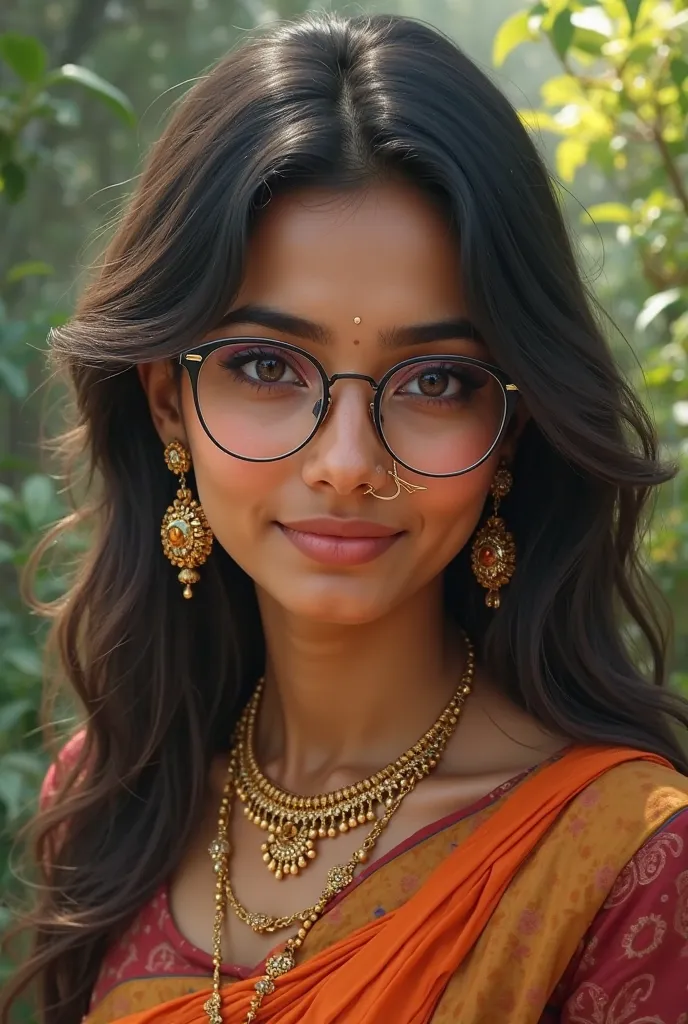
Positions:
(392, 337)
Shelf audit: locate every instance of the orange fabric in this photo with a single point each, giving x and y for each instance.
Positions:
(397, 967)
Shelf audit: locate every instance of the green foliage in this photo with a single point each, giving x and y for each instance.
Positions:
(33, 98)
(29, 111)
(619, 109)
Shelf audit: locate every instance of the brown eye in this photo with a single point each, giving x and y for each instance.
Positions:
(433, 383)
(269, 369)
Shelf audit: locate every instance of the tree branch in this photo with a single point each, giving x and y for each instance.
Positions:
(84, 27)
(670, 167)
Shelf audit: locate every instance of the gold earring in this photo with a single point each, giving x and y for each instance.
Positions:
(494, 549)
(409, 488)
(187, 539)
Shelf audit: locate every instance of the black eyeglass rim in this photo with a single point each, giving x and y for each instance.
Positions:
(192, 360)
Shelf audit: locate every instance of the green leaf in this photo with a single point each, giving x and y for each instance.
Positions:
(562, 32)
(561, 90)
(633, 8)
(571, 154)
(25, 761)
(679, 70)
(12, 181)
(655, 305)
(587, 41)
(514, 31)
(6, 147)
(11, 714)
(539, 121)
(14, 378)
(11, 792)
(679, 73)
(7, 553)
(610, 213)
(108, 94)
(25, 660)
(26, 55)
(37, 496)
(32, 268)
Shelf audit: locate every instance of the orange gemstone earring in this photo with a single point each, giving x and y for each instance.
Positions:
(187, 539)
(494, 549)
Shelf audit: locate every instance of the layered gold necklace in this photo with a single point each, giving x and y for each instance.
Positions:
(295, 825)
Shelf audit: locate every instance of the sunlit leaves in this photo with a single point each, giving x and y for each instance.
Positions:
(619, 107)
(571, 155)
(610, 213)
(515, 30)
(655, 305)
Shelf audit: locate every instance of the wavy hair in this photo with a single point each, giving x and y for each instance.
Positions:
(578, 641)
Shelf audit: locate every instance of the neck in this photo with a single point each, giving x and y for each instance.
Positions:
(342, 700)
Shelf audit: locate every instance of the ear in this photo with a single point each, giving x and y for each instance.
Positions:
(515, 429)
(163, 391)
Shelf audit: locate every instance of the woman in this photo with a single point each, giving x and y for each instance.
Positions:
(363, 711)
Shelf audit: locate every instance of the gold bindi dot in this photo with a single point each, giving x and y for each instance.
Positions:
(357, 319)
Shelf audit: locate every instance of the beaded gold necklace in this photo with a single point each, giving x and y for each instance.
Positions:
(295, 823)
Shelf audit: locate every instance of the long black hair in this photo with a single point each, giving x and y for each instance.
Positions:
(578, 640)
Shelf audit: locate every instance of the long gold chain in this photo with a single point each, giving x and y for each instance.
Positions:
(392, 788)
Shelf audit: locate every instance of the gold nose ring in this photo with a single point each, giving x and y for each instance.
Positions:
(409, 488)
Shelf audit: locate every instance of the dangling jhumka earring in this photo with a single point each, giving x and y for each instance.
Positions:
(494, 550)
(187, 539)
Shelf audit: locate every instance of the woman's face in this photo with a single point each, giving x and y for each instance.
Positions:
(360, 266)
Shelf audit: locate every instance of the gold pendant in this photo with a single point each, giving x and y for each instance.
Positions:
(289, 849)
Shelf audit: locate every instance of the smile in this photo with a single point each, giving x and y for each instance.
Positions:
(341, 541)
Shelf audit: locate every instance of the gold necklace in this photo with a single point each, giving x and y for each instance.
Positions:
(295, 824)
(338, 878)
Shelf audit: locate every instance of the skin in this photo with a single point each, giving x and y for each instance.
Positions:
(361, 659)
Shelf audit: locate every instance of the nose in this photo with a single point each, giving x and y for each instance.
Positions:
(345, 453)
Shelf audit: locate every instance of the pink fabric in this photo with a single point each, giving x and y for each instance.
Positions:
(631, 968)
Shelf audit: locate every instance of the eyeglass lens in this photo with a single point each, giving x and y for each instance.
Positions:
(262, 402)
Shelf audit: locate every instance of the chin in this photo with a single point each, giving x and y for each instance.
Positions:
(335, 602)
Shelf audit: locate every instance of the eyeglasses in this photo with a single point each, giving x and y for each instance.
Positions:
(262, 400)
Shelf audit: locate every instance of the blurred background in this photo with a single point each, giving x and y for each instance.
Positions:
(86, 85)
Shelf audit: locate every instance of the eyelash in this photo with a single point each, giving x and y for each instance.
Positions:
(241, 359)
(246, 356)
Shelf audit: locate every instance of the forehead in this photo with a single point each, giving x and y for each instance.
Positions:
(325, 254)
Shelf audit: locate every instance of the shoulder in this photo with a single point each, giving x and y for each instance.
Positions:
(634, 953)
(66, 761)
(634, 798)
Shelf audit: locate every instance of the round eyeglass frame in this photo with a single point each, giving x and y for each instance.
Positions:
(193, 359)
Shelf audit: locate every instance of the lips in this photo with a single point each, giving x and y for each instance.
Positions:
(333, 527)
(332, 541)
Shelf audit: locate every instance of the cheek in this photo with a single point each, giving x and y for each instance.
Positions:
(231, 491)
(452, 509)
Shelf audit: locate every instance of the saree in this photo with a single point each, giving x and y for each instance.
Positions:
(550, 851)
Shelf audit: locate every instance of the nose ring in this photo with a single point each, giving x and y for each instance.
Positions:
(409, 488)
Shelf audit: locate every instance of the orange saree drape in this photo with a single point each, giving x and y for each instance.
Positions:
(396, 968)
